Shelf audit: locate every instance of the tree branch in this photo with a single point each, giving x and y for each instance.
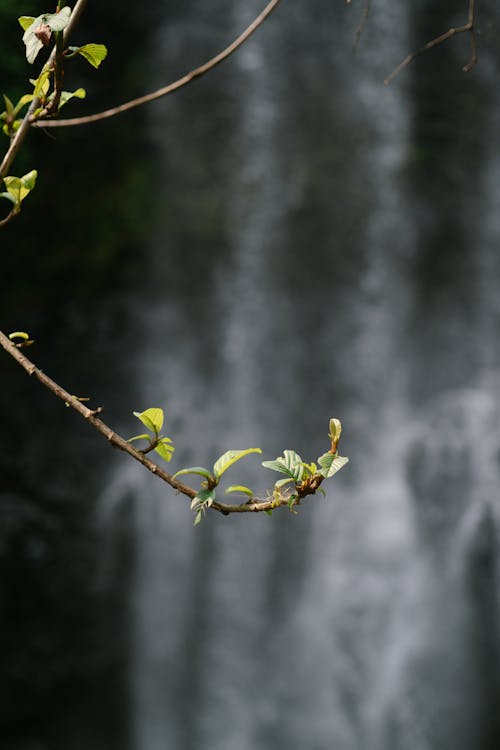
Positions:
(23, 129)
(171, 87)
(467, 27)
(254, 505)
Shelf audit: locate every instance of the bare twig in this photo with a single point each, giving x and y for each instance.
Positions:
(171, 87)
(254, 505)
(466, 28)
(8, 218)
(362, 22)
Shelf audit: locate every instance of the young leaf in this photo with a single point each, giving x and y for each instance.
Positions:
(67, 95)
(58, 21)
(331, 463)
(165, 449)
(290, 464)
(239, 488)
(206, 497)
(9, 107)
(334, 434)
(281, 482)
(93, 53)
(19, 335)
(151, 418)
(198, 518)
(194, 470)
(144, 436)
(32, 43)
(26, 21)
(26, 99)
(19, 187)
(41, 84)
(229, 458)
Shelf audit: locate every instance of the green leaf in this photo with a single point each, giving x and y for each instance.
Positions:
(194, 470)
(290, 464)
(26, 99)
(240, 488)
(206, 497)
(334, 434)
(19, 335)
(151, 418)
(269, 512)
(229, 458)
(281, 482)
(165, 449)
(41, 84)
(26, 21)
(67, 95)
(331, 463)
(198, 518)
(19, 187)
(9, 107)
(59, 21)
(320, 489)
(93, 53)
(144, 436)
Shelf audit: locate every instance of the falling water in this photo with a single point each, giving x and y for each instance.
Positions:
(283, 292)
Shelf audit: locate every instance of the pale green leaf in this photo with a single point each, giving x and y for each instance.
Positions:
(26, 99)
(32, 43)
(67, 95)
(19, 335)
(165, 450)
(93, 53)
(269, 512)
(26, 21)
(320, 489)
(194, 503)
(151, 418)
(290, 464)
(206, 497)
(144, 436)
(41, 84)
(240, 488)
(19, 187)
(331, 463)
(198, 518)
(9, 107)
(281, 482)
(59, 21)
(194, 470)
(229, 458)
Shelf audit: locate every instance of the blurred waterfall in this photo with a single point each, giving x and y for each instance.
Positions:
(286, 286)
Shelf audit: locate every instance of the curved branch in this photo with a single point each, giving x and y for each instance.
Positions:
(467, 27)
(254, 505)
(8, 218)
(171, 87)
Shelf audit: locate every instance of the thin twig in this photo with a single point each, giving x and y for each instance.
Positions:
(8, 218)
(467, 27)
(171, 87)
(362, 22)
(254, 505)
